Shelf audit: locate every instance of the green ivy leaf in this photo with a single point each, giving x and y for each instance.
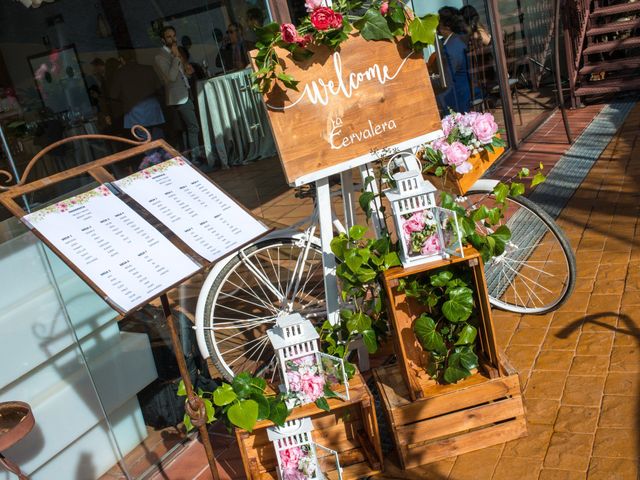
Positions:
(288, 80)
(538, 178)
(480, 213)
(366, 275)
(182, 390)
(328, 393)
(263, 406)
(494, 215)
(365, 200)
(441, 278)
(467, 335)
(242, 385)
(391, 259)
(211, 412)
(425, 330)
(396, 13)
(455, 373)
(322, 404)
(338, 246)
(373, 26)
(358, 323)
(502, 233)
(369, 340)
(501, 191)
(243, 414)
(224, 395)
(349, 369)
(423, 29)
(353, 260)
(467, 357)
(278, 411)
(517, 189)
(524, 172)
(459, 306)
(357, 232)
(187, 422)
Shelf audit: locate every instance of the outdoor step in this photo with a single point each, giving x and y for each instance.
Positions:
(615, 9)
(630, 42)
(611, 65)
(614, 27)
(609, 86)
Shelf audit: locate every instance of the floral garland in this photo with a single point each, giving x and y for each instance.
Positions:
(464, 135)
(330, 26)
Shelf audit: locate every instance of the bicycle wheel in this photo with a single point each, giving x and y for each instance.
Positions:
(537, 271)
(247, 297)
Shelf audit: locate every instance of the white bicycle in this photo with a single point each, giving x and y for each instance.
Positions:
(246, 292)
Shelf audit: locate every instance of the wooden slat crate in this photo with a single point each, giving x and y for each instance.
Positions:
(403, 311)
(450, 419)
(350, 428)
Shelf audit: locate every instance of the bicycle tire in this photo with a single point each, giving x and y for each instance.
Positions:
(215, 345)
(496, 296)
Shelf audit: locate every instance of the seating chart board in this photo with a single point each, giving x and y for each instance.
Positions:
(191, 206)
(113, 246)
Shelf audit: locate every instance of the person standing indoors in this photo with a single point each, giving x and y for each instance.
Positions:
(174, 72)
(452, 29)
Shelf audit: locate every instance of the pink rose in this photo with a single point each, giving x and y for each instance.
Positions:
(466, 123)
(304, 41)
(384, 8)
(289, 33)
(449, 122)
(293, 474)
(485, 127)
(415, 223)
(431, 245)
(323, 18)
(307, 360)
(290, 458)
(312, 386)
(295, 381)
(311, 5)
(439, 144)
(456, 153)
(464, 167)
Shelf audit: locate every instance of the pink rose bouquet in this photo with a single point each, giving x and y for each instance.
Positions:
(464, 135)
(297, 463)
(306, 380)
(420, 233)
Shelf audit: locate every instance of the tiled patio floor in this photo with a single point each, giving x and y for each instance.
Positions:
(579, 366)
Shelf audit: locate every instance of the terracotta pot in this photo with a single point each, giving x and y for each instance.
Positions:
(16, 420)
(459, 184)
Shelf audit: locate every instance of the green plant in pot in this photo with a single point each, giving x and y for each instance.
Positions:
(448, 329)
(241, 404)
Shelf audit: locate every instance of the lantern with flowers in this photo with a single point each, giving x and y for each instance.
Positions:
(425, 231)
(308, 375)
(297, 453)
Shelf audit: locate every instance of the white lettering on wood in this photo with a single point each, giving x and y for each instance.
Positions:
(320, 91)
(366, 134)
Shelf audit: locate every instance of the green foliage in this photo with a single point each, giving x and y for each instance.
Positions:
(361, 262)
(446, 331)
(241, 403)
(422, 30)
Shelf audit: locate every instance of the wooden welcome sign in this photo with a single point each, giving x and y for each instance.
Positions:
(365, 96)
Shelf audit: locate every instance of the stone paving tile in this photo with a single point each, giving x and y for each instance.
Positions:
(569, 451)
(622, 384)
(613, 469)
(526, 468)
(577, 419)
(533, 445)
(541, 411)
(476, 465)
(553, 474)
(583, 391)
(616, 443)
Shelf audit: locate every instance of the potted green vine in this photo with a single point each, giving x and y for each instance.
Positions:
(241, 403)
(448, 329)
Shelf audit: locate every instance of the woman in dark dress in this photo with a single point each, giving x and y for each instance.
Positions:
(452, 30)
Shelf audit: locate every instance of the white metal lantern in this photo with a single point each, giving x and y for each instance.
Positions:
(425, 231)
(305, 370)
(297, 453)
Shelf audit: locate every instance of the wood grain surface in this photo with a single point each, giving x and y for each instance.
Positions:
(346, 106)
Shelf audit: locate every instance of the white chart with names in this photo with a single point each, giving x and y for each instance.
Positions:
(122, 254)
(197, 211)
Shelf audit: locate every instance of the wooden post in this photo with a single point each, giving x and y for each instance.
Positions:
(186, 378)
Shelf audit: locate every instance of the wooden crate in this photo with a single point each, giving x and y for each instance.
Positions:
(450, 419)
(350, 428)
(403, 311)
(458, 184)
